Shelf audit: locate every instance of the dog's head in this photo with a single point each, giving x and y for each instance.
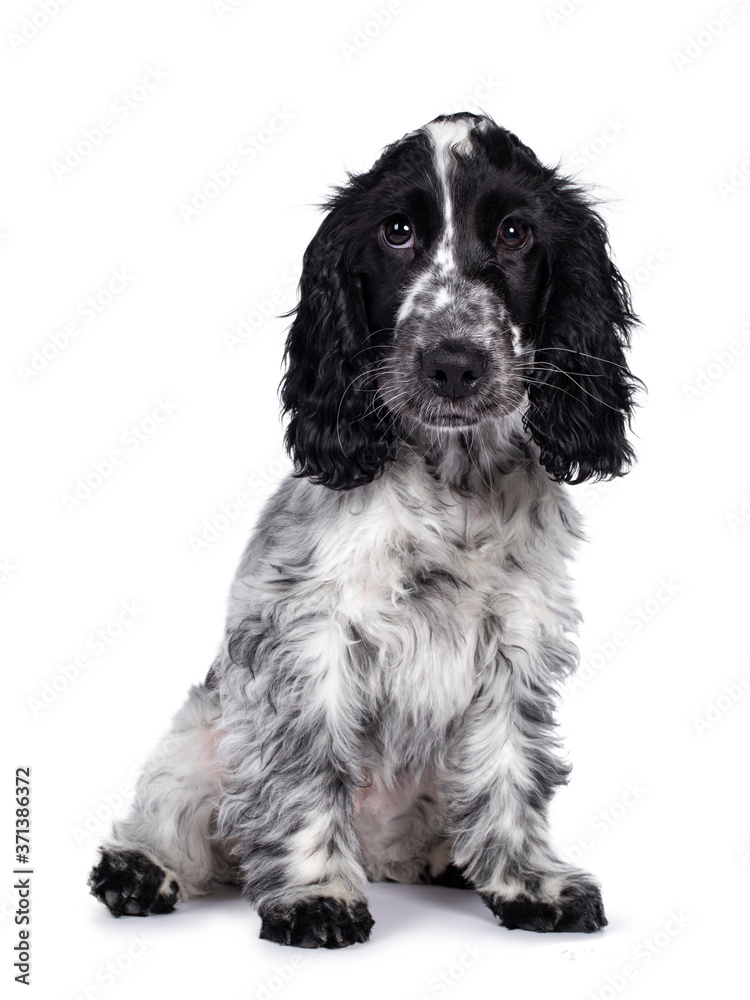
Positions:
(457, 281)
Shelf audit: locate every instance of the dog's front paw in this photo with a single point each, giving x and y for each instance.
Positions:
(129, 883)
(576, 908)
(582, 908)
(319, 922)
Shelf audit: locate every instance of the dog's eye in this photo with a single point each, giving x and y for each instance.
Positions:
(398, 232)
(513, 234)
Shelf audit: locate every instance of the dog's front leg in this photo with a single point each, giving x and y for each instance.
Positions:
(289, 754)
(503, 770)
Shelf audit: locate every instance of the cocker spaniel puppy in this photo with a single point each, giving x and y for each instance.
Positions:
(382, 704)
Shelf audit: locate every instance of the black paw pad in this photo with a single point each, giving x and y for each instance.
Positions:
(319, 922)
(578, 910)
(523, 913)
(129, 883)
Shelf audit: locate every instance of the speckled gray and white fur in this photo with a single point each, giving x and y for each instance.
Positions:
(406, 637)
(382, 706)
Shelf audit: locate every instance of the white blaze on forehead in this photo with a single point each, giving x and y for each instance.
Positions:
(447, 137)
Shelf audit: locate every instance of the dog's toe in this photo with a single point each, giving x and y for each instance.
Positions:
(578, 909)
(130, 884)
(320, 922)
(582, 909)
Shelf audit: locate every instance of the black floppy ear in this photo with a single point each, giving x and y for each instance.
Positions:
(333, 434)
(581, 398)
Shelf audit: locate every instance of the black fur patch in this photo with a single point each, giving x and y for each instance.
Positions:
(563, 293)
(452, 877)
(322, 922)
(580, 910)
(129, 884)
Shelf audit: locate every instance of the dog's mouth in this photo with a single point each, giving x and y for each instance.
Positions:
(457, 418)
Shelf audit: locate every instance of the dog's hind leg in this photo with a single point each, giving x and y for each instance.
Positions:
(163, 852)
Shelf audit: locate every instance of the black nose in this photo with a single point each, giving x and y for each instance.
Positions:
(454, 370)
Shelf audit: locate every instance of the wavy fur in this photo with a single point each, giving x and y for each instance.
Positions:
(382, 704)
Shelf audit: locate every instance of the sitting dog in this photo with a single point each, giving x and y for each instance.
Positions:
(382, 704)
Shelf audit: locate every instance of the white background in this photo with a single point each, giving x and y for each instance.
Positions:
(620, 96)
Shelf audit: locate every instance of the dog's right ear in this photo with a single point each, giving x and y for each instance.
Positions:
(333, 435)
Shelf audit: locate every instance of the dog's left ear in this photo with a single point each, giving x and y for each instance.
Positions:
(336, 436)
(581, 397)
